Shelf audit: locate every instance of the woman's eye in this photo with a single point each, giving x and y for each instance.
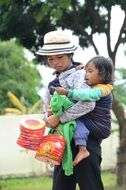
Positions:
(59, 57)
(49, 59)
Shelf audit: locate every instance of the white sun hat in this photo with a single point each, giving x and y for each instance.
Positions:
(55, 43)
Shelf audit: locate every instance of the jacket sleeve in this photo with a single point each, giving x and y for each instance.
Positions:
(46, 101)
(76, 81)
(77, 110)
(90, 94)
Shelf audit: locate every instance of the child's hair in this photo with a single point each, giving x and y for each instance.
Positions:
(105, 68)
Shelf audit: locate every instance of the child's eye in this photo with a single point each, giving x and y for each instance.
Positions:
(90, 71)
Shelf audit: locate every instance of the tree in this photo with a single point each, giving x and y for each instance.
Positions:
(20, 108)
(18, 75)
(85, 19)
(20, 19)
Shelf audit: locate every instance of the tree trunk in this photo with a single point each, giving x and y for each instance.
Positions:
(121, 154)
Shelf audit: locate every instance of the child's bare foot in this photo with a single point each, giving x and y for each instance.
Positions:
(83, 153)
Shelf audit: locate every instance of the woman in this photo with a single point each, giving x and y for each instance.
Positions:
(59, 51)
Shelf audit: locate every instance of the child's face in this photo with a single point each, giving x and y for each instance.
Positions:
(59, 62)
(92, 75)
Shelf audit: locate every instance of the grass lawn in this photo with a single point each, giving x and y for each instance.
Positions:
(109, 180)
(37, 183)
(44, 183)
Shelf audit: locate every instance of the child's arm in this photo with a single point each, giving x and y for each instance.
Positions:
(74, 112)
(83, 106)
(90, 94)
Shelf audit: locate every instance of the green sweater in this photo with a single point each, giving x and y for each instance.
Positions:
(90, 94)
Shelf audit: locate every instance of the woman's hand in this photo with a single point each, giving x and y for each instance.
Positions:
(49, 111)
(52, 121)
(61, 90)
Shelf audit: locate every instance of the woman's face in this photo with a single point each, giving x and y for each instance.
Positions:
(59, 62)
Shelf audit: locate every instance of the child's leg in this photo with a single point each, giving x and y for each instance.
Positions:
(83, 153)
(80, 137)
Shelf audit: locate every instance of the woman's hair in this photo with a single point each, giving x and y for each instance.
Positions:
(105, 68)
(75, 63)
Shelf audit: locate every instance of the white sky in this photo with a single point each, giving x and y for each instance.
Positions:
(100, 41)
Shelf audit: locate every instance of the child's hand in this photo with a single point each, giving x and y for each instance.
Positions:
(61, 90)
(79, 67)
(52, 121)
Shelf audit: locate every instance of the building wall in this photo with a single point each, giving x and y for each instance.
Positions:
(17, 161)
(109, 151)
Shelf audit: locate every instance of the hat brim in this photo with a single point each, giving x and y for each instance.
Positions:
(56, 49)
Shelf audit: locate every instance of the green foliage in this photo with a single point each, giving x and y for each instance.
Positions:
(53, 8)
(20, 107)
(120, 89)
(120, 93)
(43, 183)
(18, 75)
(19, 19)
(122, 71)
(29, 20)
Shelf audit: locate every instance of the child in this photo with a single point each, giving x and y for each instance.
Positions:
(99, 74)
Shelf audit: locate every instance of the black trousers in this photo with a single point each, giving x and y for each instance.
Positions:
(87, 174)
